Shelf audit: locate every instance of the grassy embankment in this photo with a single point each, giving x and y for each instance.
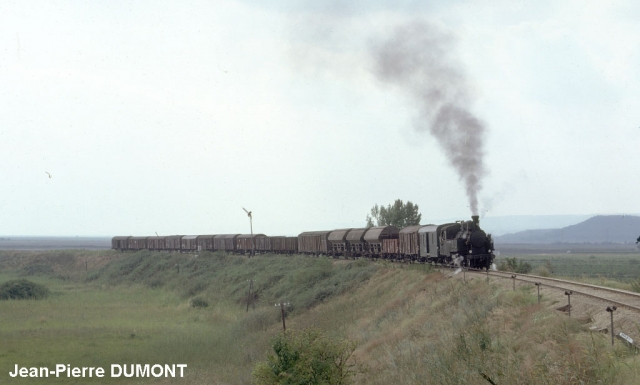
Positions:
(412, 324)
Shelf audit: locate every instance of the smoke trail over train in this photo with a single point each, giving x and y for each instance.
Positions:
(418, 59)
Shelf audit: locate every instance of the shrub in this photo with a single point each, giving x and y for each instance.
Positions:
(22, 289)
(306, 357)
(545, 270)
(512, 264)
(199, 303)
(541, 271)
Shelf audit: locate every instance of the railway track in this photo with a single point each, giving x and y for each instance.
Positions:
(620, 298)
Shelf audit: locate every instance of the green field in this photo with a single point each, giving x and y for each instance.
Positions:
(137, 309)
(411, 324)
(624, 267)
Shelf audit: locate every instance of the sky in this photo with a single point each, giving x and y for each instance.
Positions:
(144, 117)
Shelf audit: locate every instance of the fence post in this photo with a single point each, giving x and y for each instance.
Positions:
(569, 294)
(249, 295)
(611, 309)
(282, 305)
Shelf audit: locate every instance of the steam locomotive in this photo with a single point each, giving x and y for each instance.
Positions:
(462, 243)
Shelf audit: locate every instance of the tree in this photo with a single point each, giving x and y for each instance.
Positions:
(306, 357)
(399, 215)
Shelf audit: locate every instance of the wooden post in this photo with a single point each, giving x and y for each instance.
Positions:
(249, 295)
(282, 305)
(284, 326)
(569, 294)
(611, 309)
(538, 284)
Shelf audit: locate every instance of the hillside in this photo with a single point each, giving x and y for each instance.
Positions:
(599, 229)
(411, 323)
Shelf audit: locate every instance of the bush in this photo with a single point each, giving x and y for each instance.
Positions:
(306, 357)
(22, 289)
(545, 270)
(635, 285)
(199, 303)
(512, 264)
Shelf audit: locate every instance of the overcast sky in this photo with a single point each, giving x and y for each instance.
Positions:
(170, 117)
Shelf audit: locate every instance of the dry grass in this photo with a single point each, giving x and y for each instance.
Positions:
(412, 325)
(415, 329)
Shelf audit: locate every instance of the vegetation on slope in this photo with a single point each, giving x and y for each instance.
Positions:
(217, 277)
(411, 324)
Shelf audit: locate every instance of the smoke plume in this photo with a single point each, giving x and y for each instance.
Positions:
(417, 59)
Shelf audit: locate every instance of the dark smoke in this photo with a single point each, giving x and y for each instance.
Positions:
(417, 58)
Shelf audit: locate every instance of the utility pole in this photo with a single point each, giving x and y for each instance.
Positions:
(253, 243)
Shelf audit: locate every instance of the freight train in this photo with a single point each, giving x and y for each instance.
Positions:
(462, 243)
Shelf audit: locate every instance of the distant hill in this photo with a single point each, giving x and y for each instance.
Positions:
(598, 229)
(513, 223)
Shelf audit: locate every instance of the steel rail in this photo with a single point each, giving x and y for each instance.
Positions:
(617, 303)
(596, 287)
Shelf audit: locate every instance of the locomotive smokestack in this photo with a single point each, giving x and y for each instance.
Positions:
(476, 219)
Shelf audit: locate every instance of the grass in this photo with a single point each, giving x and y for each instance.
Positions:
(614, 270)
(411, 324)
(139, 309)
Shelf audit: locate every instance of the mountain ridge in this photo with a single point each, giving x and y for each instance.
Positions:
(597, 229)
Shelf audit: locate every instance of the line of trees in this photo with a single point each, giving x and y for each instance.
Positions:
(398, 214)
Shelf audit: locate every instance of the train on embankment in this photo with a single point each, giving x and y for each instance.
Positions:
(461, 243)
